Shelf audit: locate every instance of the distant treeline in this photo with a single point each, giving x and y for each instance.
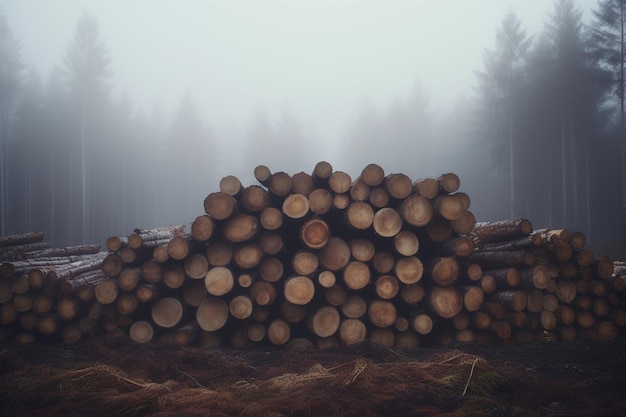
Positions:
(541, 137)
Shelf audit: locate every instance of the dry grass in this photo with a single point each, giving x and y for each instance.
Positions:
(366, 380)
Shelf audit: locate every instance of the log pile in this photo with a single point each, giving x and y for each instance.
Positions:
(319, 259)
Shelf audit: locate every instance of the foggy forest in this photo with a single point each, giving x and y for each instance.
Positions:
(541, 136)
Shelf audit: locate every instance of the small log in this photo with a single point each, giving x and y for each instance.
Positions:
(447, 302)
(271, 242)
(106, 292)
(240, 307)
(412, 294)
(212, 314)
(167, 312)
(444, 271)
(314, 233)
(196, 266)
(231, 185)
(248, 255)
(326, 279)
(387, 287)
(405, 243)
(473, 298)
(202, 228)
(255, 199)
(409, 269)
(352, 331)
(219, 281)
(263, 293)
(219, 253)
(382, 313)
(295, 206)
(448, 182)
(359, 215)
(240, 228)
(387, 222)
(279, 184)
(126, 304)
(449, 206)
(427, 187)
(111, 265)
(438, 230)
(271, 218)
(372, 175)
(293, 313)
(262, 174)
(379, 197)
(339, 182)
(299, 290)
(302, 183)
(147, 293)
(335, 295)
(416, 210)
(304, 262)
(356, 275)
(152, 272)
(278, 332)
(320, 201)
(464, 224)
(399, 186)
(271, 269)
(383, 262)
(174, 275)
(423, 324)
(219, 205)
(359, 191)
(354, 307)
(178, 248)
(335, 254)
(324, 322)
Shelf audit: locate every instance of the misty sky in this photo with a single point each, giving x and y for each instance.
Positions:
(322, 59)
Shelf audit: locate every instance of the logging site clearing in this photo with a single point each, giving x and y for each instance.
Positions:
(316, 295)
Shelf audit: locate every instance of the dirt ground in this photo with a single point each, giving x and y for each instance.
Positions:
(122, 378)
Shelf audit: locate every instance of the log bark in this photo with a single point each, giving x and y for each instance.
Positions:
(505, 259)
(21, 239)
(501, 230)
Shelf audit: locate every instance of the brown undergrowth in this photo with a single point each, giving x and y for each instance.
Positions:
(118, 378)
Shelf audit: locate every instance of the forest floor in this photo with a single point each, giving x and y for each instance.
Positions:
(123, 378)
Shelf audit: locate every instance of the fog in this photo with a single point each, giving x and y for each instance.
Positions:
(192, 91)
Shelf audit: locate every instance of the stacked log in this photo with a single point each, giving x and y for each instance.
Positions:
(321, 259)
